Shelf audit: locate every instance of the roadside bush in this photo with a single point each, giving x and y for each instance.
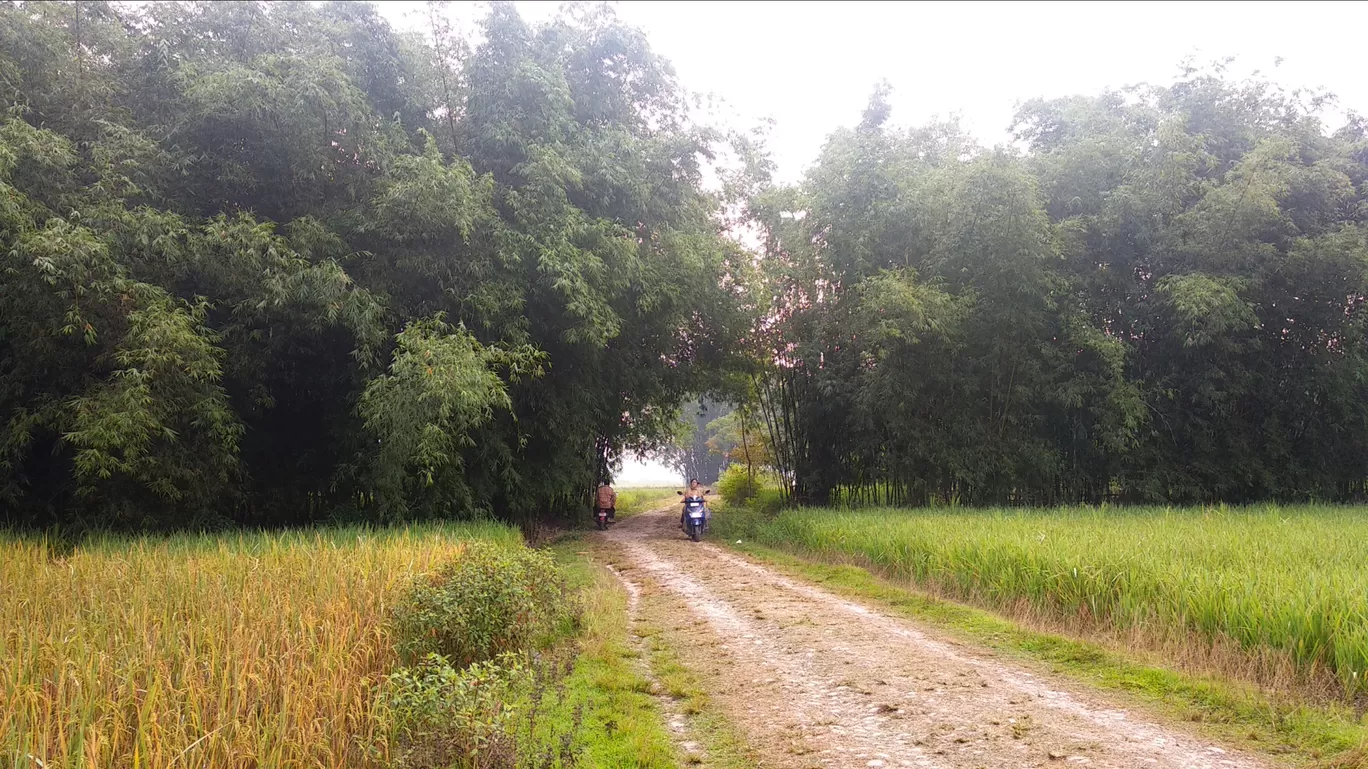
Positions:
(768, 500)
(763, 493)
(485, 716)
(737, 486)
(436, 715)
(489, 601)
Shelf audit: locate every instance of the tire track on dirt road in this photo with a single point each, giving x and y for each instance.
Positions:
(813, 680)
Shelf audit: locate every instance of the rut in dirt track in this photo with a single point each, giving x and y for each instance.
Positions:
(813, 680)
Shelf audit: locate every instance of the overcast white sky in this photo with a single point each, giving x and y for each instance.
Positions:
(810, 66)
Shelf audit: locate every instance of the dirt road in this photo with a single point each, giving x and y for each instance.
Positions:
(813, 680)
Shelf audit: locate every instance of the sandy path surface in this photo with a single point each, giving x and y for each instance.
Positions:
(814, 680)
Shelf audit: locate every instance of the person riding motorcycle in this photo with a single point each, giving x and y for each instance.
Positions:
(606, 499)
(695, 492)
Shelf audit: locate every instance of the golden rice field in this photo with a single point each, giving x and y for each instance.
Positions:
(227, 651)
(1266, 590)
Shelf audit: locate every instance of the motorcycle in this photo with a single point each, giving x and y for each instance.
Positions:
(696, 515)
(601, 518)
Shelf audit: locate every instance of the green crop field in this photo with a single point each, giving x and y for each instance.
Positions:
(1286, 584)
(639, 500)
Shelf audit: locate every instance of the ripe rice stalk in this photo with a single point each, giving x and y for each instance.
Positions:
(234, 651)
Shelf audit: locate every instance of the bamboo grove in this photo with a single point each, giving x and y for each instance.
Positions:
(273, 263)
(1157, 296)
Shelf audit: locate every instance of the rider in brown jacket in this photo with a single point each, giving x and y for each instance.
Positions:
(606, 500)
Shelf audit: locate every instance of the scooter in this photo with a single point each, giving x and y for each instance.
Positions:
(696, 515)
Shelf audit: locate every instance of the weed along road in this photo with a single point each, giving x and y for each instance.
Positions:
(808, 679)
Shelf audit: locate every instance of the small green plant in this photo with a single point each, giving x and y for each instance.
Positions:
(484, 687)
(490, 601)
(768, 500)
(763, 492)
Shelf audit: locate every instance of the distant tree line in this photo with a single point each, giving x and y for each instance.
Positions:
(698, 449)
(272, 263)
(1158, 297)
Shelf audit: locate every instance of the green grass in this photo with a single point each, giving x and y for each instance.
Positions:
(942, 547)
(621, 726)
(612, 689)
(725, 747)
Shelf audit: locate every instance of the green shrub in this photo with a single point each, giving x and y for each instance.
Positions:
(440, 717)
(491, 600)
(768, 500)
(737, 485)
(763, 492)
(510, 712)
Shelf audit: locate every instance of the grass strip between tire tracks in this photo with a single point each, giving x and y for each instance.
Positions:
(622, 726)
(723, 746)
(607, 681)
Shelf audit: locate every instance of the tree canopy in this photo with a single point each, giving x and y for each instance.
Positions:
(269, 263)
(1157, 297)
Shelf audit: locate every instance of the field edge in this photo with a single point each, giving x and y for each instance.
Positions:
(1304, 734)
(587, 561)
(621, 723)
